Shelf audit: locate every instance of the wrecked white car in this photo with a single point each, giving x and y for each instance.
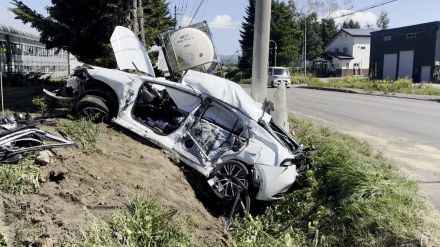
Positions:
(211, 124)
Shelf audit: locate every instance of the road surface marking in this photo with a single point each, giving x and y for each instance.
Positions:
(312, 117)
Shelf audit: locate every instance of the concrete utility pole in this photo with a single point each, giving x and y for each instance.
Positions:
(279, 115)
(260, 58)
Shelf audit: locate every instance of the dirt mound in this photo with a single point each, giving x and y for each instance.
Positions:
(86, 185)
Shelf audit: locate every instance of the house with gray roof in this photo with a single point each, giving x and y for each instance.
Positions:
(348, 54)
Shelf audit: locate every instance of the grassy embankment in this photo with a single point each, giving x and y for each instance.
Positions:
(351, 197)
(403, 85)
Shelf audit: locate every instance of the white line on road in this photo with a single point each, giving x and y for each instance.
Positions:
(312, 117)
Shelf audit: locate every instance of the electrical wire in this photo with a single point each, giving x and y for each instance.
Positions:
(365, 8)
(197, 11)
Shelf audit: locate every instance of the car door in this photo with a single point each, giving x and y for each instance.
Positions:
(216, 132)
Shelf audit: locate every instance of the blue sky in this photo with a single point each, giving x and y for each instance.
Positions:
(225, 16)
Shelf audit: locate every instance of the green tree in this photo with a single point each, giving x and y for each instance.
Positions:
(157, 20)
(314, 40)
(383, 21)
(284, 31)
(328, 31)
(81, 27)
(351, 24)
(247, 37)
(84, 27)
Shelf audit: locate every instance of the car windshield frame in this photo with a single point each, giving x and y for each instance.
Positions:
(280, 71)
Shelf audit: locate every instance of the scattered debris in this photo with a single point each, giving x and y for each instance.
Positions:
(19, 134)
(56, 177)
(43, 158)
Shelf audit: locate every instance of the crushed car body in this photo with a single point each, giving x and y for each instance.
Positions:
(209, 123)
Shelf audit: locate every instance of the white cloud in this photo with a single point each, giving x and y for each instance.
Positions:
(186, 20)
(8, 19)
(364, 18)
(224, 22)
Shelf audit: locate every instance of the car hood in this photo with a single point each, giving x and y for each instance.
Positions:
(225, 91)
(129, 51)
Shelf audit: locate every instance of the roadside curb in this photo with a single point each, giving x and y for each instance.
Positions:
(345, 90)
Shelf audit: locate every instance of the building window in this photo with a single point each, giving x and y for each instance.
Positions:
(387, 38)
(410, 35)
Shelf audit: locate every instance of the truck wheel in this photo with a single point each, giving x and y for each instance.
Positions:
(93, 108)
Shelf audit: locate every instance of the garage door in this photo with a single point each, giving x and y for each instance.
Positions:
(406, 62)
(425, 75)
(389, 66)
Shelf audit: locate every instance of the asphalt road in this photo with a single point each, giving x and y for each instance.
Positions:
(405, 131)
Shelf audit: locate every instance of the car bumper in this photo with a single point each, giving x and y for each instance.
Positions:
(274, 181)
(276, 83)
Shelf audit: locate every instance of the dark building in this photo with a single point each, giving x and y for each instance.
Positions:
(412, 51)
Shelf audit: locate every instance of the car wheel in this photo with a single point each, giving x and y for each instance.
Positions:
(92, 108)
(229, 179)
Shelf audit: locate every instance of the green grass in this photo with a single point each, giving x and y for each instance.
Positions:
(2, 240)
(351, 197)
(297, 78)
(143, 223)
(403, 85)
(82, 130)
(19, 178)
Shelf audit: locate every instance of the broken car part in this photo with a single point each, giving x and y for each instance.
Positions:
(19, 134)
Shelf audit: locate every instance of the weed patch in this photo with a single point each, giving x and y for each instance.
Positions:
(143, 223)
(351, 197)
(403, 85)
(40, 102)
(82, 130)
(18, 178)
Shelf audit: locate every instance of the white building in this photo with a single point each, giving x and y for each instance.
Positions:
(347, 54)
(22, 52)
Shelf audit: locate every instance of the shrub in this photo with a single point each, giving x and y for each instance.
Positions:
(41, 103)
(82, 130)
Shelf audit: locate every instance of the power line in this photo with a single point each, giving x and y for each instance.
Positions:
(365, 8)
(197, 11)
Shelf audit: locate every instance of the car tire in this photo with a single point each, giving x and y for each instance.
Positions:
(93, 108)
(230, 177)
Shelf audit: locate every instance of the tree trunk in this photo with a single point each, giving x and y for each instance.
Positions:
(141, 22)
(135, 25)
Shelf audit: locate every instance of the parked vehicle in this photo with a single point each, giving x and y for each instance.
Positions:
(277, 76)
(209, 123)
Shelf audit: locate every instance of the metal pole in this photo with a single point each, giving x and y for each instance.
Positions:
(68, 63)
(260, 57)
(305, 44)
(1, 87)
(276, 47)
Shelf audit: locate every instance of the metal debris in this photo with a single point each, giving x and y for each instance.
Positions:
(19, 134)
